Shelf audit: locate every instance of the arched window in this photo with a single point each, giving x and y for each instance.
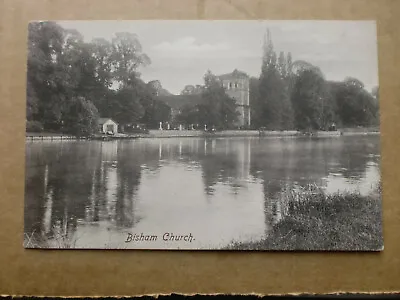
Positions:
(230, 85)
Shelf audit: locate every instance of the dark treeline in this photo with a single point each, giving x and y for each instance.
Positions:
(295, 95)
(70, 82)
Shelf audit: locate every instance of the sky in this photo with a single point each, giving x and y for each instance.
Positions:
(182, 51)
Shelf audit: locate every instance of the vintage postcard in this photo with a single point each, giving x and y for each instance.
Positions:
(203, 135)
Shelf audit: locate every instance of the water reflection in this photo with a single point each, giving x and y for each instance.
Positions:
(91, 194)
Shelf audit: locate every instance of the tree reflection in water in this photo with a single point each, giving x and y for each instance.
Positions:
(73, 184)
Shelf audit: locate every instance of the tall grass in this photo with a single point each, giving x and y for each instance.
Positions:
(59, 240)
(317, 221)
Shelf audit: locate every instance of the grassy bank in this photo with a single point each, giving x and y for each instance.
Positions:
(223, 133)
(311, 221)
(341, 221)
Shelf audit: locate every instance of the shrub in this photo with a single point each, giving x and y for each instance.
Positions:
(34, 126)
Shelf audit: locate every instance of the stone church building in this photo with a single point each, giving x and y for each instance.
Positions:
(237, 85)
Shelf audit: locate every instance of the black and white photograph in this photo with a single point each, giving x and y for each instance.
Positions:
(203, 135)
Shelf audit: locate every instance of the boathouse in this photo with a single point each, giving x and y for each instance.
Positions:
(107, 125)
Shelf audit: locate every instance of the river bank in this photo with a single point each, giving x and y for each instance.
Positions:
(200, 133)
(326, 222)
(224, 133)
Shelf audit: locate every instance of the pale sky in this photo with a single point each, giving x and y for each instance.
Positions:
(182, 51)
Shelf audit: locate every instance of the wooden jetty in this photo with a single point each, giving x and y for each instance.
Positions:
(60, 137)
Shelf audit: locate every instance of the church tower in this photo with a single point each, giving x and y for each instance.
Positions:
(237, 86)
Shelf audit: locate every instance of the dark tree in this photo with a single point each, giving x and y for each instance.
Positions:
(310, 96)
(355, 106)
(82, 117)
(271, 103)
(67, 74)
(217, 109)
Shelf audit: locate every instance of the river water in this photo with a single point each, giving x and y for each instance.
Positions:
(94, 194)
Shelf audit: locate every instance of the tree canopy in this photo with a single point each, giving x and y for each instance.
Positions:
(295, 95)
(92, 79)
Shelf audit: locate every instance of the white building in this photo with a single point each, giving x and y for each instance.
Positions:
(107, 125)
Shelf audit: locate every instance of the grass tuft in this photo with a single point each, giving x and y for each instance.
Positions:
(316, 221)
(59, 240)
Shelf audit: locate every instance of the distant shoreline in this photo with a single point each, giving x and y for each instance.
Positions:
(199, 133)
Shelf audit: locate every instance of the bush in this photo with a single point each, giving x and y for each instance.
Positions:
(34, 126)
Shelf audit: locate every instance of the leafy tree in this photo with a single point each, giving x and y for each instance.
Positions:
(290, 77)
(276, 111)
(287, 113)
(271, 91)
(100, 80)
(34, 126)
(351, 81)
(161, 113)
(134, 100)
(155, 110)
(309, 97)
(289, 64)
(127, 57)
(255, 103)
(82, 117)
(375, 93)
(217, 109)
(32, 101)
(355, 106)
(189, 115)
(126, 107)
(63, 68)
(282, 68)
(102, 53)
(45, 77)
(274, 106)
